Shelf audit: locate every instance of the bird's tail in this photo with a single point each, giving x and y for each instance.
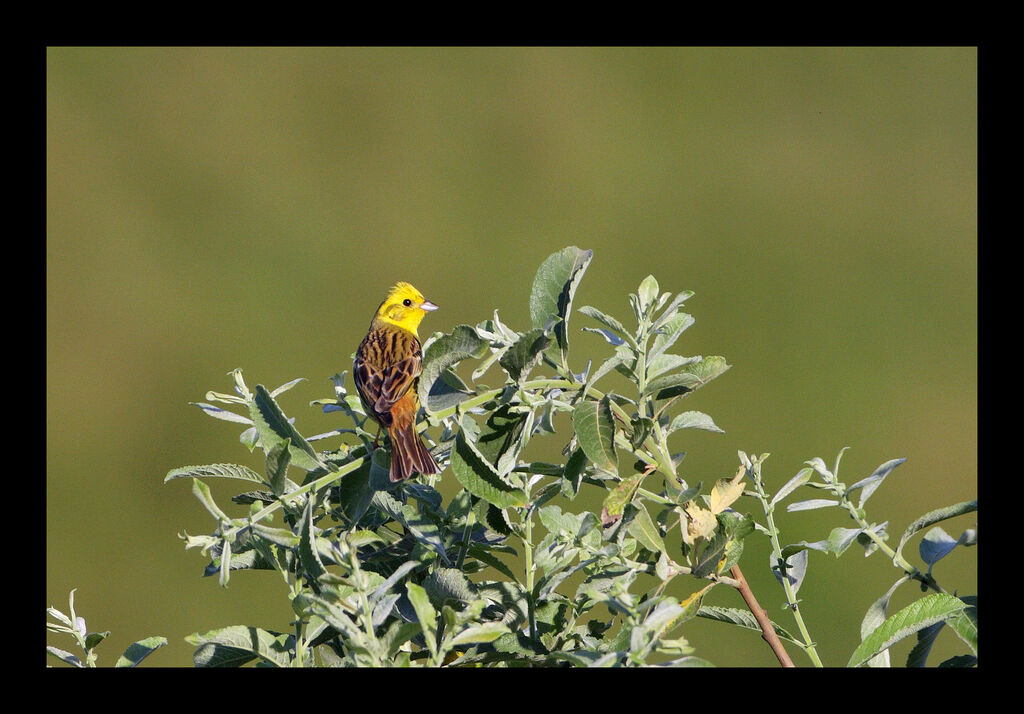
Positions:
(409, 454)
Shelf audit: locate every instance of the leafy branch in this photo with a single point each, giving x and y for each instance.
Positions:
(74, 625)
(924, 618)
(506, 572)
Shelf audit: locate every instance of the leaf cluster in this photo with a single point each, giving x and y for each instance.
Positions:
(925, 617)
(511, 570)
(505, 573)
(74, 625)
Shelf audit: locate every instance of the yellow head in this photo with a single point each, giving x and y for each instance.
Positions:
(404, 306)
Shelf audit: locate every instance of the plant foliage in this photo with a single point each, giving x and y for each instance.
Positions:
(510, 571)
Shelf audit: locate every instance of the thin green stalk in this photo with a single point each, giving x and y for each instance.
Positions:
(641, 360)
(300, 644)
(896, 558)
(528, 549)
(773, 535)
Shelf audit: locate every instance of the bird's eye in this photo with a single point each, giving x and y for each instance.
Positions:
(407, 302)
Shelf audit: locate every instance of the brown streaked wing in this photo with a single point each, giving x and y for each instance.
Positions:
(398, 379)
(368, 381)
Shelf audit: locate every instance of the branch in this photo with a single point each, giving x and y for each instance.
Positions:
(767, 631)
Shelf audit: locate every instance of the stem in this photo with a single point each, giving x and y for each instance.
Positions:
(283, 499)
(897, 559)
(773, 535)
(767, 630)
(300, 644)
(528, 548)
(490, 394)
(641, 361)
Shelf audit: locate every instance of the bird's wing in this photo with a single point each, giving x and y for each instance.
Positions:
(368, 381)
(397, 380)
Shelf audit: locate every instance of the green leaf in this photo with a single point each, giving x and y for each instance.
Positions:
(648, 293)
(874, 617)
(693, 420)
(933, 517)
(918, 655)
(237, 645)
(802, 477)
(484, 632)
(330, 611)
(567, 526)
(609, 336)
(392, 579)
(478, 477)
(505, 435)
(416, 517)
(523, 356)
(65, 656)
(218, 413)
(646, 533)
(711, 555)
(449, 584)
(355, 491)
(440, 388)
(667, 363)
(274, 428)
(668, 332)
(614, 362)
(277, 466)
(640, 429)
(552, 292)
(965, 624)
(94, 638)
(278, 536)
(425, 613)
(616, 500)
(308, 554)
(201, 491)
(138, 651)
(286, 386)
(225, 563)
(872, 482)
(811, 504)
(672, 308)
(214, 471)
(743, 618)
(240, 387)
(938, 607)
(595, 430)
(608, 321)
(935, 545)
(693, 376)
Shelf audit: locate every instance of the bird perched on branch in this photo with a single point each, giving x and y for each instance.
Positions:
(387, 366)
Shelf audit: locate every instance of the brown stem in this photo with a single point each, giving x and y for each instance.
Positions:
(767, 631)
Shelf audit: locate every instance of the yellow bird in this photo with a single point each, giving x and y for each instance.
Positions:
(387, 366)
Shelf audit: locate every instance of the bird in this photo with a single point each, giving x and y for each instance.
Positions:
(386, 370)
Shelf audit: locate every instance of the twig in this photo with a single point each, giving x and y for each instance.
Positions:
(767, 631)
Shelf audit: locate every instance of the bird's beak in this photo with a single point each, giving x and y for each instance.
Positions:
(428, 306)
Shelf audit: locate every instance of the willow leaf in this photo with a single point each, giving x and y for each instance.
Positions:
(439, 388)
(552, 292)
(595, 430)
(916, 616)
(237, 471)
(478, 477)
(274, 428)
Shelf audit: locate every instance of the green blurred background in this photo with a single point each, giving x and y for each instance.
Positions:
(213, 208)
